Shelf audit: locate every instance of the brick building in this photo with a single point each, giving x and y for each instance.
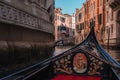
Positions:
(80, 27)
(92, 10)
(106, 14)
(63, 25)
(112, 29)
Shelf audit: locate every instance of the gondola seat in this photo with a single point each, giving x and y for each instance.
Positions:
(72, 77)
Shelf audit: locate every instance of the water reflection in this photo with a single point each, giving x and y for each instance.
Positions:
(115, 54)
(60, 49)
(113, 51)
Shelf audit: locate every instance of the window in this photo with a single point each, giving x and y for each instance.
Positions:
(77, 27)
(80, 15)
(111, 14)
(80, 26)
(91, 8)
(100, 19)
(101, 2)
(83, 25)
(62, 19)
(107, 16)
(94, 5)
(85, 10)
(111, 28)
(118, 17)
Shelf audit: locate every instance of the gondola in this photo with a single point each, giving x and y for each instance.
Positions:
(85, 61)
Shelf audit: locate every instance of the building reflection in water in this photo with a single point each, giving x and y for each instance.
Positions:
(115, 54)
(60, 49)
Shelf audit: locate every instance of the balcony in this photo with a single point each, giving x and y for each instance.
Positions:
(114, 3)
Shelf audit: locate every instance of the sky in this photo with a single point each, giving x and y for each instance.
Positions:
(69, 6)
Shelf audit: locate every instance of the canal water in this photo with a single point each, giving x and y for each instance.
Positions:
(114, 53)
(60, 49)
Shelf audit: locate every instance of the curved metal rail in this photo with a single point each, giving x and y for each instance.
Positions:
(114, 64)
(92, 37)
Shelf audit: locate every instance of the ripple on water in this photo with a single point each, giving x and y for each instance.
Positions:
(115, 54)
(61, 49)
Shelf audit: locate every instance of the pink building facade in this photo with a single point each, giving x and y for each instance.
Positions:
(63, 25)
(112, 29)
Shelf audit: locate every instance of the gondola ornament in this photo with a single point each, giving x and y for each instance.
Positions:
(87, 58)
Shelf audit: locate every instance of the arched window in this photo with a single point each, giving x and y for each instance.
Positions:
(118, 17)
